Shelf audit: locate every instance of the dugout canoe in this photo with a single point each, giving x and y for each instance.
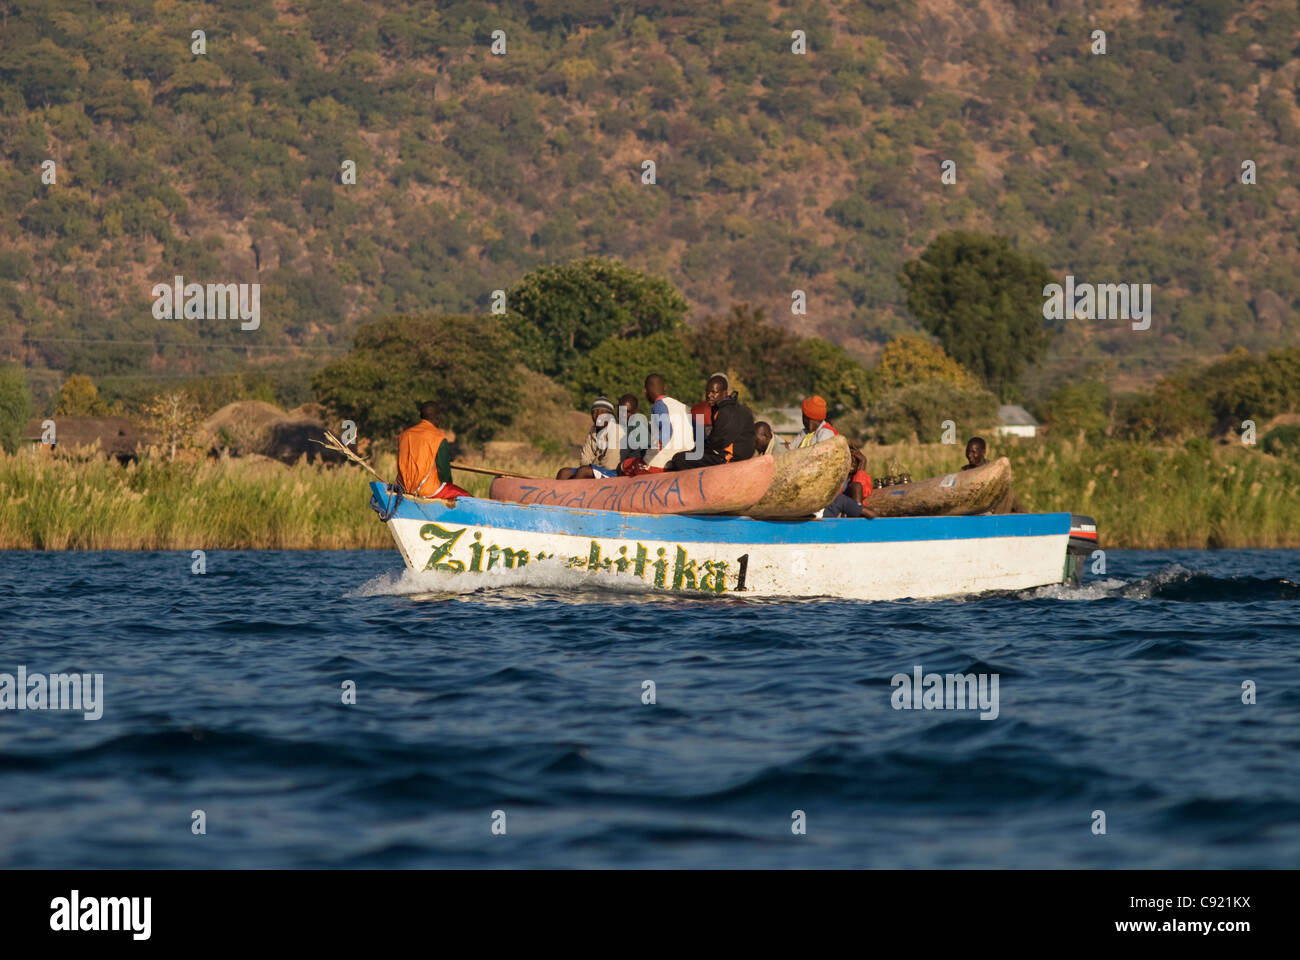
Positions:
(726, 488)
(961, 494)
(471, 543)
(804, 481)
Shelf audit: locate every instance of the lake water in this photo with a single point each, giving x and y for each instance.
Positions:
(223, 693)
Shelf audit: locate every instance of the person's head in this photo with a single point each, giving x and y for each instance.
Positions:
(654, 387)
(429, 411)
(628, 403)
(716, 388)
(762, 435)
(858, 460)
(814, 412)
(601, 407)
(975, 450)
(726, 385)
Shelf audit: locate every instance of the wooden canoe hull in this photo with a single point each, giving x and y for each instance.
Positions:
(726, 488)
(961, 494)
(804, 481)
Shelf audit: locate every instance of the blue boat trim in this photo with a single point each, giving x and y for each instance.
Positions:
(606, 524)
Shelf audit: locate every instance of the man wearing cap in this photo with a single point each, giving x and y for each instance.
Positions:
(815, 425)
(600, 448)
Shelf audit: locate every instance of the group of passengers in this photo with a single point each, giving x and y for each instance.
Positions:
(624, 442)
(717, 430)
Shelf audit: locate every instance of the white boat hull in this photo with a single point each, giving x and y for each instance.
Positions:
(883, 559)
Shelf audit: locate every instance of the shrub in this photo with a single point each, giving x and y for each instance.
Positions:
(466, 364)
(15, 407)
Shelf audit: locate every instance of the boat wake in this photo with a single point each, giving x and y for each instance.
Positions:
(1176, 583)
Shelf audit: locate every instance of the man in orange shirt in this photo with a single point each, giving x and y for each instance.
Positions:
(424, 458)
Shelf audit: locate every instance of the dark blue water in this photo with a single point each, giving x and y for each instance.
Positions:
(222, 693)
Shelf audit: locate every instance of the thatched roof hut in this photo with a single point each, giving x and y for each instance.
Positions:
(117, 437)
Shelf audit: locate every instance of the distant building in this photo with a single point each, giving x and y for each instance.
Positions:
(1016, 421)
(116, 437)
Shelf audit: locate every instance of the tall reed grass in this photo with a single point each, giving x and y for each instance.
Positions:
(1142, 497)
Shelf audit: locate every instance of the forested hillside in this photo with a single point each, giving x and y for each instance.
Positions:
(774, 171)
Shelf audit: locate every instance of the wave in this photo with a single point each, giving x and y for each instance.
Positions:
(1177, 583)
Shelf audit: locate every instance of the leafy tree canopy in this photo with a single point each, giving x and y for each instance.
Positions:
(79, 397)
(1081, 405)
(15, 407)
(761, 354)
(983, 299)
(564, 311)
(921, 408)
(466, 364)
(910, 359)
(617, 367)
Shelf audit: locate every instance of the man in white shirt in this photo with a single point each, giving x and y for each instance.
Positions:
(671, 430)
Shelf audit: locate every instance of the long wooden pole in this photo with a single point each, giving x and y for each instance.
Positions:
(333, 443)
(492, 473)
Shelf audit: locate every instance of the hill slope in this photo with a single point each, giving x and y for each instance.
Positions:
(774, 171)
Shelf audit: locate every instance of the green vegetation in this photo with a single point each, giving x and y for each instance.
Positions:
(49, 504)
(1194, 496)
(774, 172)
(984, 302)
(468, 365)
(566, 312)
(15, 407)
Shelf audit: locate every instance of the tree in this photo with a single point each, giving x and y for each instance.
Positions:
(617, 367)
(1078, 406)
(921, 409)
(15, 407)
(827, 370)
(79, 397)
(984, 301)
(762, 354)
(910, 359)
(175, 419)
(562, 312)
(1168, 411)
(466, 364)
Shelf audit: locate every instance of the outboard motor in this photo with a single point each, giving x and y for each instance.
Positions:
(1083, 541)
(1083, 534)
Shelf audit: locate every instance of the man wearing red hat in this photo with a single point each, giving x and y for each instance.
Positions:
(816, 427)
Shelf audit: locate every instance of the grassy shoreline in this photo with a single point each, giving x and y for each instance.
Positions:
(1199, 496)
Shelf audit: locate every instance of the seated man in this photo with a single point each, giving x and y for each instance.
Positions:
(424, 459)
(636, 428)
(765, 441)
(850, 502)
(730, 438)
(600, 448)
(976, 449)
(671, 430)
(815, 425)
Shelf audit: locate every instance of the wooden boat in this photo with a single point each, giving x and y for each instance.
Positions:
(726, 488)
(960, 494)
(804, 481)
(471, 543)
